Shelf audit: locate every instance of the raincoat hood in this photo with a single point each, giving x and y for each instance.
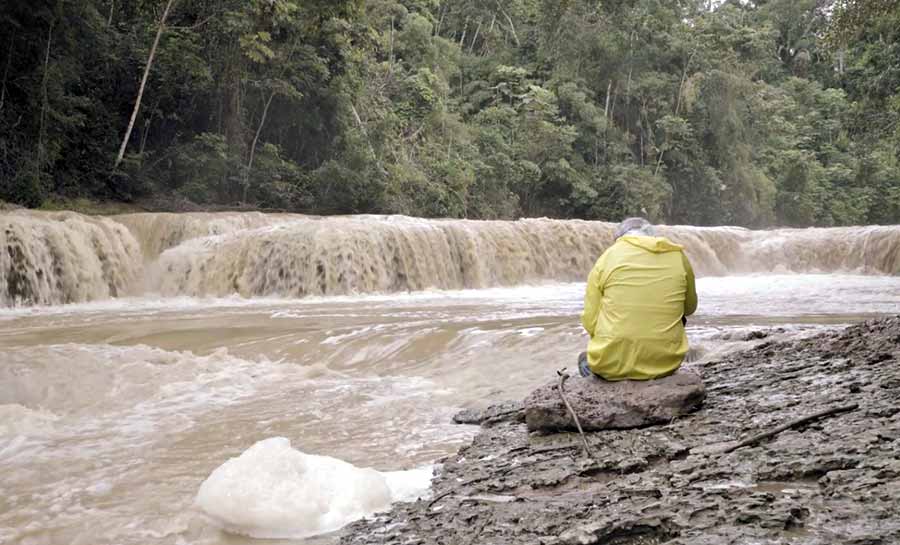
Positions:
(656, 245)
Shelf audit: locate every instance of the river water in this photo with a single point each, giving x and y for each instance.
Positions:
(188, 348)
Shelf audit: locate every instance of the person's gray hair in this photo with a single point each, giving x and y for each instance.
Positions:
(635, 226)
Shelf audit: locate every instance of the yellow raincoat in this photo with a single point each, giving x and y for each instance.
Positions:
(636, 295)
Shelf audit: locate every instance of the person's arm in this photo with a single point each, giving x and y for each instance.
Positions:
(593, 293)
(690, 299)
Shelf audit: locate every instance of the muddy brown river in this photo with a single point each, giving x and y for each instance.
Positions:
(126, 381)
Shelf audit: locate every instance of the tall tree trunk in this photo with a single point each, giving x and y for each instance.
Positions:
(437, 29)
(484, 44)
(462, 38)
(233, 118)
(677, 105)
(44, 102)
(512, 27)
(9, 55)
(146, 132)
(362, 128)
(265, 114)
(475, 38)
(137, 102)
(259, 128)
(683, 80)
(391, 54)
(641, 127)
(608, 93)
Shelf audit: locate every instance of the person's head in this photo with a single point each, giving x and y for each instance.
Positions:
(635, 226)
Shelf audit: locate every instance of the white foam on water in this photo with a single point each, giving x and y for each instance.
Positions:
(121, 383)
(409, 485)
(281, 307)
(798, 294)
(17, 420)
(273, 491)
(762, 295)
(340, 339)
(149, 305)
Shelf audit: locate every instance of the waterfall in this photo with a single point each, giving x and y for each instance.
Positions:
(54, 258)
(63, 257)
(158, 232)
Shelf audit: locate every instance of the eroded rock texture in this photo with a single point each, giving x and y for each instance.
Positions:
(602, 405)
(834, 480)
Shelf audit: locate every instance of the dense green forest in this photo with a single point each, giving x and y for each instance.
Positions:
(754, 113)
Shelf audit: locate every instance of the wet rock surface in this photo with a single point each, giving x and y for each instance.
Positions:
(508, 411)
(833, 480)
(602, 405)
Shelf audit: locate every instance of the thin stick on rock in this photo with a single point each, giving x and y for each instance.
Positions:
(562, 393)
(793, 423)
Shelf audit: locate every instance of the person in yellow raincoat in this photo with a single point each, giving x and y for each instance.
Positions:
(637, 296)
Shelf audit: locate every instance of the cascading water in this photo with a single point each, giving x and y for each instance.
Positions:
(158, 232)
(64, 258)
(55, 258)
(371, 254)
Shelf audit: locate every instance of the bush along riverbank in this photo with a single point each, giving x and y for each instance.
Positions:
(830, 479)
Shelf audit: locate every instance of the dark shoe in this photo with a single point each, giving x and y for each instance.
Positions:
(583, 368)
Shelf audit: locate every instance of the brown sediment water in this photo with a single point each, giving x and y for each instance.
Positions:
(114, 408)
(56, 258)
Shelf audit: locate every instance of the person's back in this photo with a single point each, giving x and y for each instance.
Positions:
(636, 297)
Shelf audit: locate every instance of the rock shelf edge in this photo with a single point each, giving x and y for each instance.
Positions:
(834, 480)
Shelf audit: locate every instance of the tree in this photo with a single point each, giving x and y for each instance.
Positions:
(137, 102)
(852, 17)
(689, 111)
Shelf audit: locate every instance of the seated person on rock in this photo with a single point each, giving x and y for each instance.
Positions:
(637, 296)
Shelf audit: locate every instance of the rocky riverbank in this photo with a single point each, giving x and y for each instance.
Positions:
(832, 480)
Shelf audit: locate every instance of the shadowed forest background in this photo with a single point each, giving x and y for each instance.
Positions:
(778, 112)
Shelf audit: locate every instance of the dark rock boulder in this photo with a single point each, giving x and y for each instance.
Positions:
(602, 405)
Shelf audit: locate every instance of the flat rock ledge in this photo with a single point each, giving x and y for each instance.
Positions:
(602, 405)
(828, 481)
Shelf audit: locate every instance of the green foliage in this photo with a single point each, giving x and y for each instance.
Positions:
(206, 166)
(25, 189)
(851, 17)
(462, 108)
